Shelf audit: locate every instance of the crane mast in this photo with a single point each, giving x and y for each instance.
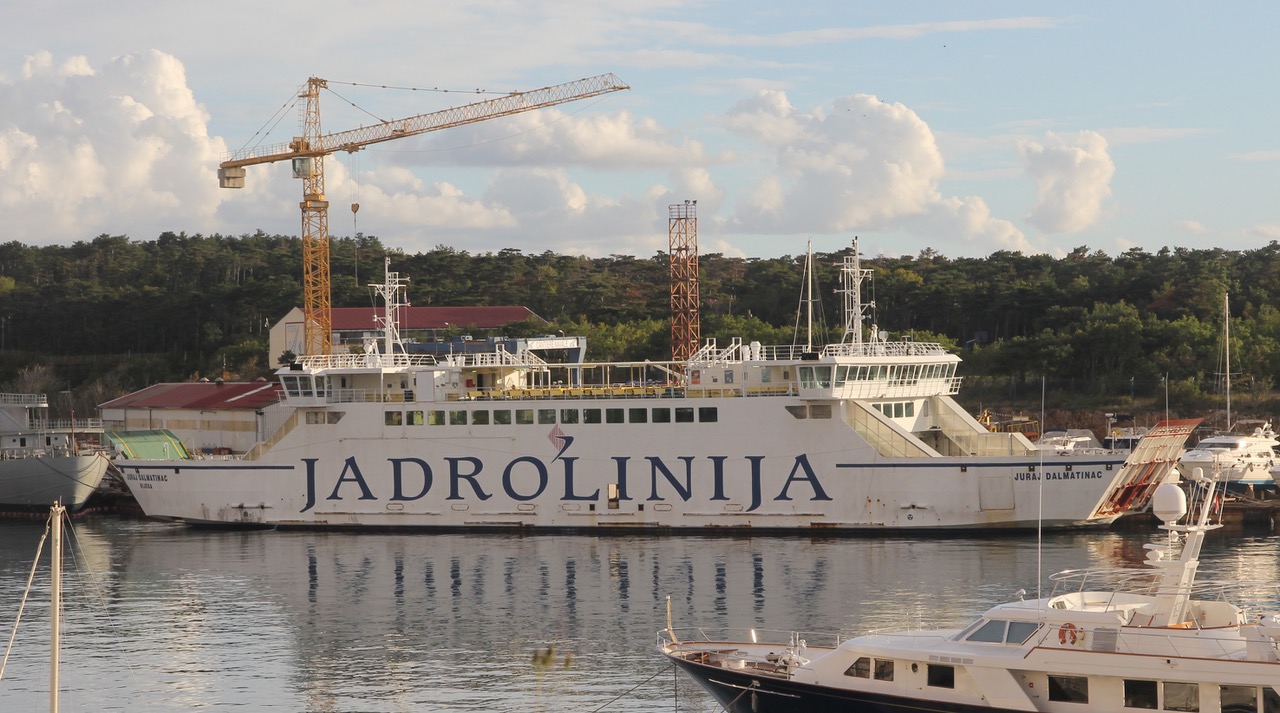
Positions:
(307, 154)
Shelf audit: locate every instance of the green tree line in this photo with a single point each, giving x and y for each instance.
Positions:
(102, 317)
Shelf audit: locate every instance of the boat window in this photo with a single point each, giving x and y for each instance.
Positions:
(435, 418)
(1069, 689)
(860, 668)
(842, 375)
(798, 411)
(1140, 694)
(393, 418)
(1182, 697)
(708, 414)
(662, 415)
(546, 416)
(613, 415)
(909, 409)
(684, 415)
(1020, 631)
(820, 411)
(334, 416)
(415, 418)
(591, 415)
(480, 418)
(884, 669)
(502, 417)
(1270, 700)
(1239, 699)
(457, 418)
(897, 410)
(806, 377)
(824, 376)
(942, 676)
(992, 631)
(314, 417)
(524, 416)
(638, 415)
(568, 415)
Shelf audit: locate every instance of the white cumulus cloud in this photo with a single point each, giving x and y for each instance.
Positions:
(83, 149)
(1072, 175)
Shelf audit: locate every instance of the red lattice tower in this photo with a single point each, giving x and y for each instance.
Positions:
(686, 328)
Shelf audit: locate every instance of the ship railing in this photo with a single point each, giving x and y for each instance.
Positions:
(366, 361)
(561, 393)
(696, 635)
(893, 349)
(24, 400)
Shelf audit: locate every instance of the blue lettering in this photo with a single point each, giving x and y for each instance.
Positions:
(351, 474)
(685, 491)
(311, 483)
(542, 478)
(568, 483)
(456, 475)
(755, 481)
(717, 477)
(802, 463)
(622, 476)
(397, 478)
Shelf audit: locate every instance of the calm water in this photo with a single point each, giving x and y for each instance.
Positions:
(164, 618)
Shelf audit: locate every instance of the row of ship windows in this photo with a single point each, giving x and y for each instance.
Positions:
(1138, 694)
(550, 416)
(902, 374)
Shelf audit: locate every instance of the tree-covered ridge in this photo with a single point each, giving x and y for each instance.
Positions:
(114, 314)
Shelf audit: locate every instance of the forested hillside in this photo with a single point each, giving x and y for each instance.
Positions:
(106, 316)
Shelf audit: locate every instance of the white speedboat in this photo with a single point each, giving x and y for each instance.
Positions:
(1104, 640)
(859, 435)
(43, 460)
(1242, 458)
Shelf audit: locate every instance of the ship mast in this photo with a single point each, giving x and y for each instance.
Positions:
(392, 301)
(855, 310)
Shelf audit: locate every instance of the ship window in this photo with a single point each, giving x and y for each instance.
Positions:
(591, 415)
(662, 415)
(684, 415)
(546, 416)
(820, 411)
(1182, 697)
(334, 416)
(613, 415)
(884, 669)
(798, 411)
(315, 417)
(860, 668)
(457, 418)
(1069, 689)
(909, 410)
(480, 418)
(568, 415)
(435, 418)
(806, 377)
(415, 418)
(1020, 631)
(897, 410)
(1270, 700)
(824, 376)
(942, 676)
(706, 414)
(524, 416)
(637, 415)
(393, 418)
(1239, 699)
(502, 417)
(1140, 694)
(992, 632)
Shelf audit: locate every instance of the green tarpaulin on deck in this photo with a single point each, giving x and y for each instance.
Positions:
(149, 445)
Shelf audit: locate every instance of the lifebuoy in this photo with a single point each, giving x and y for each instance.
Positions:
(1068, 634)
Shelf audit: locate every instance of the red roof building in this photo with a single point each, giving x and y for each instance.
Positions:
(208, 416)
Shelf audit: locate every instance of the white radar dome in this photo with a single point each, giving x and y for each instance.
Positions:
(1169, 503)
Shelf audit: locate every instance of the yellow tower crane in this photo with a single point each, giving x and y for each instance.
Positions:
(307, 153)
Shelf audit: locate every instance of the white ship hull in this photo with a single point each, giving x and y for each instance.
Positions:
(756, 468)
(36, 482)
(859, 436)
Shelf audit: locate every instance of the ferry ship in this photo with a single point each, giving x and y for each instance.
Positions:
(861, 435)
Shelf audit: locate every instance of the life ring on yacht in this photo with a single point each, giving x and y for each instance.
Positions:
(1068, 634)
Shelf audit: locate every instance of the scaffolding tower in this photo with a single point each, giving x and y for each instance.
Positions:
(686, 329)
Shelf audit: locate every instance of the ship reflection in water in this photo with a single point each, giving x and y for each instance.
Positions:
(165, 618)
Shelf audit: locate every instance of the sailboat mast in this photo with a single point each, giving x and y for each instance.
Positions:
(808, 271)
(55, 605)
(1226, 338)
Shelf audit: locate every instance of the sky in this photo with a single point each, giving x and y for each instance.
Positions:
(962, 128)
